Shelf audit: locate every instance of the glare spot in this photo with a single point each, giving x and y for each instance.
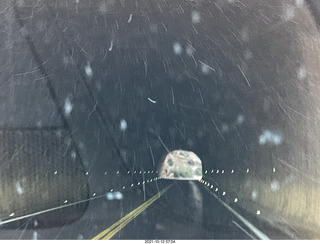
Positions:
(20, 3)
(151, 100)
(247, 54)
(73, 155)
(302, 73)
(114, 195)
(118, 195)
(240, 119)
(270, 137)
(98, 85)
(130, 18)
(67, 107)
(123, 125)
(105, 6)
(111, 45)
(81, 145)
(205, 69)
(35, 235)
(299, 3)
(254, 195)
(88, 70)
(288, 13)
(275, 186)
(244, 34)
(19, 188)
(154, 28)
(190, 51)
(160, 227)
(224, 128)
(177, 48)
(58, 134)
(195, 17)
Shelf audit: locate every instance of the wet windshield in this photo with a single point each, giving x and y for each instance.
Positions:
(157, 119)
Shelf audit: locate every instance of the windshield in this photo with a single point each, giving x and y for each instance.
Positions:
(156, 119)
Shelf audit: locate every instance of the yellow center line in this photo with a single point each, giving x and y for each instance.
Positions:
(125, 218)
(124, 221)
(113, 229)
(123, 224)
